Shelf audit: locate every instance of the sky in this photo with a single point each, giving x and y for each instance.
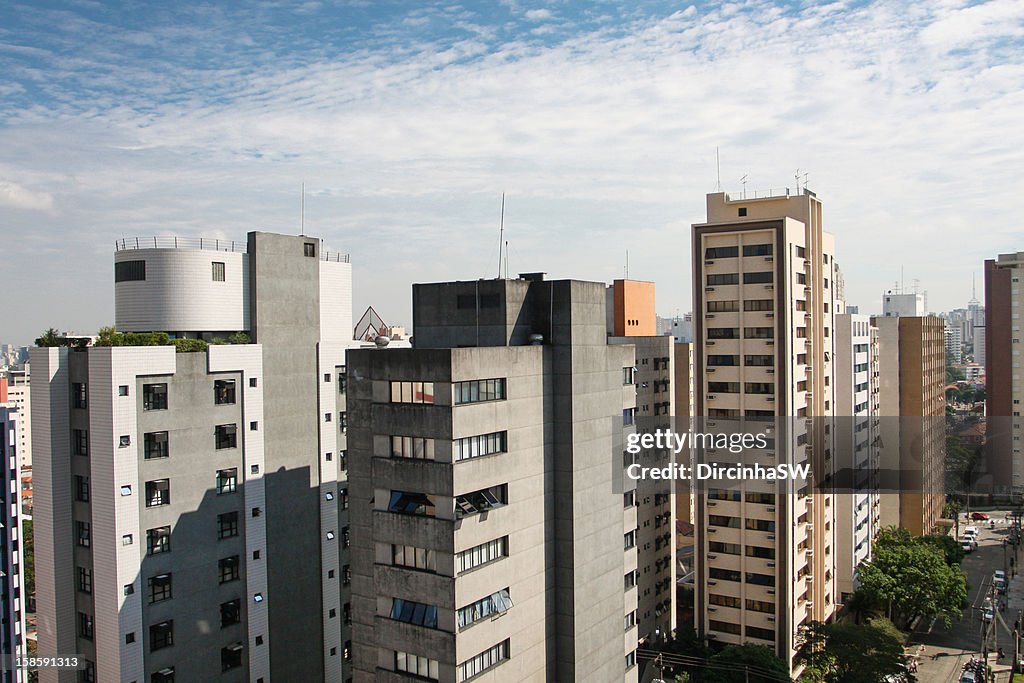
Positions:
(604, 124)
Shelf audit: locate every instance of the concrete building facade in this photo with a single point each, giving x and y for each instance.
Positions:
(897, 304)
(13, 597)
(1004, 388)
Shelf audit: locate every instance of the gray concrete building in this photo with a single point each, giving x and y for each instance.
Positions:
(12, 588)
(493, 535)
(190, 506)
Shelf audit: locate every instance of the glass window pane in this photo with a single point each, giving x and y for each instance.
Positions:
(396, 392)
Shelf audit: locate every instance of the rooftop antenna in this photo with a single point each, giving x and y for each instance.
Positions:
(743, 180)
(917, 284)
(506, 259)
(501, 232)
(805, 180)
(302, 209)
(902, 290)
(796, 176)
(718, 168)
(627, 264)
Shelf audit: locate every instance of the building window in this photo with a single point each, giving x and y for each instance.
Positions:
(757, 278)
(760, 633)
(154, 397)
(160, 588)
(629, 579)
(81, 439)
(224, 392)
(226, 436)
(228, 569)
(342, 380)
(343, 422)
(155, 445)
(165, 675)
(481, 501)
(253, 383)
(628, 416)
(421, 667)
(218, 271)
(479, 390)
(481, 554)
(79, 395)
(477, 446)
(122, 390)
(629, 540)
(412, 447)
(758, 333)
(758, 305)
(629, 621)
(87, 674)
(723, 306)
(231, 657)
(411, 503)
(158, 540)
(83, 534)
(227, 525)
(81, 488)
(723, 279)
(128, 589)
(130, 271)
(723, 333)
(757, 250)
(487, 659)
(161, 635)
(158, 492)
(412, 392)
(414, 612)
(628, 375)
(721, 252)
(84, 580)
(413, 557)
(129, 638)
(309, 249)
(227, 480)
(85, 625)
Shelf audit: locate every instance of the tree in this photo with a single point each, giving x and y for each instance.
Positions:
(29, 556)
(844, 652)
(861, 606)
(746, 664)
(912, 578)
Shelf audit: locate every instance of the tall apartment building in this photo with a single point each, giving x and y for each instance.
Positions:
(493, 533)
(19, 397)
(1004, 389)
(633, 322)
(189, 506)
(912, 374)
(897, 304)
(12, 588)
(954, 343)
(764, 306)
(856, 425)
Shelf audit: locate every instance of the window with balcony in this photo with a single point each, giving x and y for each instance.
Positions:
(154, 396)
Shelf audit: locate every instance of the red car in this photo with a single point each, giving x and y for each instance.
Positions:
(979, 515)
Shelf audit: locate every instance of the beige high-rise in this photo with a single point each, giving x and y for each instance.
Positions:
(764, 307)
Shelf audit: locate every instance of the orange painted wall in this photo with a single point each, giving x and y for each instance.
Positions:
(634, 309)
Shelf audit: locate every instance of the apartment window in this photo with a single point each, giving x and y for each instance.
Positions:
(483, 444)
(761, 525)
(155, 445)
(253, 382)
(479, 390)
(759, 360)
(760, 579)
(88, 674)
(723, 279)
(226, 436)
(129, 271)
(161, 635)
(495, 603)
(757, 278)
(84, 580)
(411, 503)
(723, 333)
(417, 665)
(631, 657)
(629, 540)
(628, 375)
(758, 388)
(723, 574)
(343, 499)
(762, 498)
(481, 554)
(79, 395)
(801, 279)
(231, 656)
(165, 675)
(628, 416)
(230, 612)
(629, 580)
(761, 553)
(309, 249)
(224, 392)
(757, 250)
(801, 252)
(227, 525)
(413, 557)
(227, 480)
(81, 441)
(760, 633)
(160, 588)
(85, 625)
(218, 271)
(343, 422)
(158, 492)
(228, 569)
(154, 397)
(721, 252)
(724, 387)
(758, 305)
(412, 392)
(81, 488)
(724, 521)
(412, 447)
(487, 659)
(758, 333)
(761, 606)
(342, 380)
(719, 360)
(723, 494)
(481, 501)
(725, 306)
(724, 601)
(414, 612)
(628, 499)
(158, 540)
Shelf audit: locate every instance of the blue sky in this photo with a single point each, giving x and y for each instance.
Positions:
(406, 122)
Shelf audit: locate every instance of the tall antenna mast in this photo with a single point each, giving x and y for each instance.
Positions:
(501, 233)
(302, 209)
(627, 264)
(718, 169)
(797, 177)
(743, 180)
(506, 259)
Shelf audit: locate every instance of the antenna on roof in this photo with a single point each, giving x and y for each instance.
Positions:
(718, 168)
(627, 264)
(501, 232)
(302, 209)
(506, 259)
(743, 180)
(797, 177)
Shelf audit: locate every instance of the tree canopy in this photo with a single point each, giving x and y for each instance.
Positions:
(845, 652)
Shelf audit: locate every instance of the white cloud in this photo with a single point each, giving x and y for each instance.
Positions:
(538, 14)
(15, 196)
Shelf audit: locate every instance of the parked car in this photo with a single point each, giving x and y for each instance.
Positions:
(968, 677)
(987, 615)
(967, 545)
(971, 531)
(999, 574)
(980, 516)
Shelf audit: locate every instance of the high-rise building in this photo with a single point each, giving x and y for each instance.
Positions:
(896, 304)
(912, 404)
(954, 343)
(189, 512)
(856, 425)
(764, 306)
(13, 596)
(1004, 389)
(679, 327)
(494, 532)
(19, 397)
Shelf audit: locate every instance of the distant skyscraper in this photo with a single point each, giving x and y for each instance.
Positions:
(1004, 388)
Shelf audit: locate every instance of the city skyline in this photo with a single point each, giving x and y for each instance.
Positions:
(406, 124)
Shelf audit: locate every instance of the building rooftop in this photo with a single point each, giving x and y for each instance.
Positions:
(205, 243)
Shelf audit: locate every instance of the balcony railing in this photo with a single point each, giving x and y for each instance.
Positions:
(205, 243)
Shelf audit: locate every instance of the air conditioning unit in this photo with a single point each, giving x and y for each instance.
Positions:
(708, 262)
(711, 397)
(769, 259)
(709, 289)
(709, 315)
